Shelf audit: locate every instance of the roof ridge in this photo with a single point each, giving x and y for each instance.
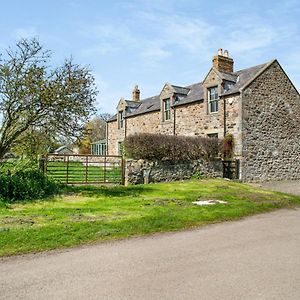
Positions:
(260, 65)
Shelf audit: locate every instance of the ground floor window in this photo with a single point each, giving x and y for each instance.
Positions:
(98, 148)
(120, 148)
(213, 135)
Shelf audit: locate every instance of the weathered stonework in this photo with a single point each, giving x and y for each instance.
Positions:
(271, 128)
(114, 136)
(158, 171)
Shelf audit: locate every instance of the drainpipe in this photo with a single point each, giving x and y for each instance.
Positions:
(224, 108)
(106, 129)
(174, 121)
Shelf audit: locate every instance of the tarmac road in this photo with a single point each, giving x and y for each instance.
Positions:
(284, 186)
(255, 258)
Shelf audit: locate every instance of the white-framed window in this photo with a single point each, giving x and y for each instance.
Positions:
(121, 119)
(98, 148)
(213, 99)
(166, 109)
(120, 148)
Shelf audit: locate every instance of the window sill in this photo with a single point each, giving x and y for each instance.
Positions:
(166, 122)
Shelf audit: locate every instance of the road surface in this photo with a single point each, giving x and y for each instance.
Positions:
(255, 258)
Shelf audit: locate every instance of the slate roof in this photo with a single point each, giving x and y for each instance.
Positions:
(244, 76)
(194, 92)
(146, 105)
(113, 118)
(180, 90)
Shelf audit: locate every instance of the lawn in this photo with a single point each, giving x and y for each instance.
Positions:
(90, 214)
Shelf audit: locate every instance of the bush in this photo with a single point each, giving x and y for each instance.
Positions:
(227, 146)
(25, 184)
(170, 147)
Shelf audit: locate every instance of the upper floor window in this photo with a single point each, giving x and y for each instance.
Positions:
(213, 99)
(166, 109)
(121, 119)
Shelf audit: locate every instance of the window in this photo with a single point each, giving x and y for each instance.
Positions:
(213, 99)
(213, 135)
(98, 148)
(121, 119)
(120, 148)
(166, 109)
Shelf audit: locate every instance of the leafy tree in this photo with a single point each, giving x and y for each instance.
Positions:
(34, 142)
(32, 95)
(95, 130)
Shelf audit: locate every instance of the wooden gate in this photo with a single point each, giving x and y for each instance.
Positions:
(231, 169)
(84, 169)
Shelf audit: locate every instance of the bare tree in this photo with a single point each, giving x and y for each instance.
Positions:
(59, 100)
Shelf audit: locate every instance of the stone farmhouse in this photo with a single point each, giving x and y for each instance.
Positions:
(259, 105)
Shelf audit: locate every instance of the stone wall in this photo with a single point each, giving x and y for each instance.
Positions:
(169, 171)
(271, 128)
(148, 123)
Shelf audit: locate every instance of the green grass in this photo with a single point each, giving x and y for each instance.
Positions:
(88, 214)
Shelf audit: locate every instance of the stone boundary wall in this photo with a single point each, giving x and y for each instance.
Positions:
(136, 171)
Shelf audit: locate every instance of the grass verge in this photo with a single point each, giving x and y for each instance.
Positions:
(88, 214)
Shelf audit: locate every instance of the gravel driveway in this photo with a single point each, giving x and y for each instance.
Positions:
(288, 186)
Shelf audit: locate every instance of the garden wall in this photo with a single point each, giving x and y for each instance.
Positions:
(135, 170)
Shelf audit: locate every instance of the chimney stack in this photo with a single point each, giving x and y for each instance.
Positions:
(222, 62)
(136, 94)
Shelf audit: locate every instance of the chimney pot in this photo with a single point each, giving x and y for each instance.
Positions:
(223, 63)
(136, 93)
(220, 51)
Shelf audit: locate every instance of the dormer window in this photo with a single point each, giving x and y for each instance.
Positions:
(213, 99)
(121, 119)
(166, 109)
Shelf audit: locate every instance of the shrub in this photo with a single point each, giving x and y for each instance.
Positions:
(170, 147)
(228, 146)
(25, 184)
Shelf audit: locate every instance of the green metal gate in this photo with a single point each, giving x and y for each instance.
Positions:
(84, 169)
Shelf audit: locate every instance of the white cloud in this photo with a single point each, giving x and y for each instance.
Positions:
(155, 53)
(25, 32)
(99, 49)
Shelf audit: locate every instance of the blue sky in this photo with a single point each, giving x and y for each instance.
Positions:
(152, 42)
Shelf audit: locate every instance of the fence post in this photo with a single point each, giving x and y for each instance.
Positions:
(123, 170)
(42, 164)
(86, 168)
(67, 168)
(237, 169)
(104, 175)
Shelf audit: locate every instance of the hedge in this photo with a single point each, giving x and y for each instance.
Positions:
(170, 147)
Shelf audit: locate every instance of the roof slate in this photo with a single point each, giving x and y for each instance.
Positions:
(180, 90)
(193, 93)
(244, 76)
